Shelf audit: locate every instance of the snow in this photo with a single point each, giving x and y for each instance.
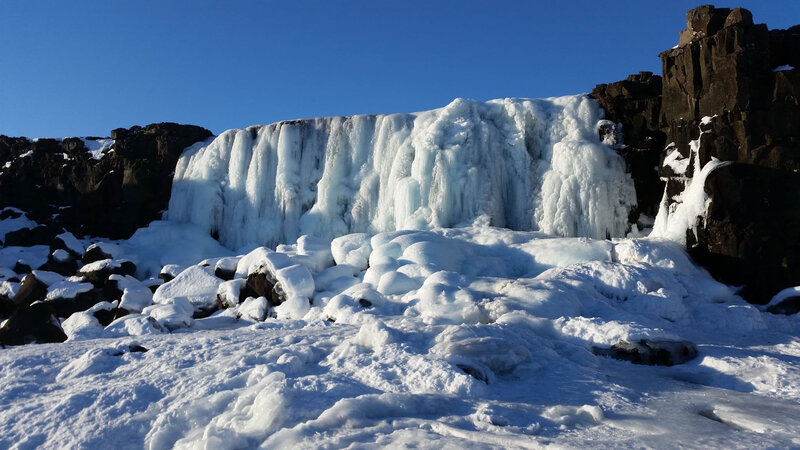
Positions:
(783, 295)
(673, 220)
(136, 298)
(61, 255)
(67, 289)
(97, 147)
(12, 224)
(47, 277)
(103, 264)
(518, 163)
(73, 244)
(197, 285)
(472, 353)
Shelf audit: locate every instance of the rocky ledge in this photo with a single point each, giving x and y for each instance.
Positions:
(94, 186)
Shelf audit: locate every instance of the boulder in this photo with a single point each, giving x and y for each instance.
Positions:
(28, 237)
(651, 352)
(94, 253)
(33, 323)
(31, 289)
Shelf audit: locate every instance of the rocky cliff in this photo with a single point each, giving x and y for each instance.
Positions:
(95, 186)
(743, 78)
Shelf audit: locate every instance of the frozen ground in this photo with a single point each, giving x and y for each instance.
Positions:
(452, 338)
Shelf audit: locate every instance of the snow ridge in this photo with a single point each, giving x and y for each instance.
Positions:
(525, 164)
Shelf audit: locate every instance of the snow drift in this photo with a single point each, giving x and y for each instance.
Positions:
(517, 163)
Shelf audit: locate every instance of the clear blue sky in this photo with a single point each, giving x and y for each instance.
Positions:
(84, 67)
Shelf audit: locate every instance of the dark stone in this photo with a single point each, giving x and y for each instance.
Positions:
(127, 268)
(21, 268)
(93, 254)
(260, 283)
(34, 323)
(474, 372)
(59, 243)
(30, 290)
(723, 69)
(9, 214)
(7, 306)
(106, 316)
(125, 190)
(28, 237)
(224, 274)
(66, 268)
(99, 277)
(65, 307)
(650, 352)
(136, 348)
(364, 303)
(634, 104)
(788, 306)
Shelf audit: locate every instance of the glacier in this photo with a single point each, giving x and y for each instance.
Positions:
(523, 164)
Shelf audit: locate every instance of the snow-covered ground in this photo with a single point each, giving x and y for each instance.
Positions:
(452, 338)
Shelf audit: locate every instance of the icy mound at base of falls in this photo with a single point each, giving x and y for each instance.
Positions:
(525, 164)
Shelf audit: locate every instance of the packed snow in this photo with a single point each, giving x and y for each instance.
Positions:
(517, 163)
(464, 337)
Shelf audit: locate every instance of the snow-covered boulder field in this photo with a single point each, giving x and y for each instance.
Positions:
(460, 338)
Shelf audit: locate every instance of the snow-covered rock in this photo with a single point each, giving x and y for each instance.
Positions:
(197, 285)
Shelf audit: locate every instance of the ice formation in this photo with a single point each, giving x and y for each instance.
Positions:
(691, 205)
(517, 163)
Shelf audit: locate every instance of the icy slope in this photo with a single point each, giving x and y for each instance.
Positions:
(515, 163)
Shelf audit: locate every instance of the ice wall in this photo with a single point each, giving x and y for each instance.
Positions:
(525, 164)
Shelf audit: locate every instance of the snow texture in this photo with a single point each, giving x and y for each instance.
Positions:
(474, 337)
(516, 163)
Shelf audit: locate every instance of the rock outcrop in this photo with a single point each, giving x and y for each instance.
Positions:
(745, 80)
(634, 106)
(110, 192)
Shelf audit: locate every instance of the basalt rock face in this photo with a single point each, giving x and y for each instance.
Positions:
(113, 194)
(742, 75)
(745, 79)
(634, 106)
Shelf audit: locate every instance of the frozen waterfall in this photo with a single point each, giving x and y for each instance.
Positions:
(524, 164)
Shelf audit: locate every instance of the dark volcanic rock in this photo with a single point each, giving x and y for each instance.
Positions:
(30, 290)
(106, 316)
(60, 183)
(724, 68)
(27, 237)
(788, 306)
(21, 268)
(634, 105)
(94, 253)
(650, 352)
(34, 323)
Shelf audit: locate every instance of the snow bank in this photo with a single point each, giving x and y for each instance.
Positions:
(516, 163)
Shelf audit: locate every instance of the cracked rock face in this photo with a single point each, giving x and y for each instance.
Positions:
(745, 80)
(106, 191)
